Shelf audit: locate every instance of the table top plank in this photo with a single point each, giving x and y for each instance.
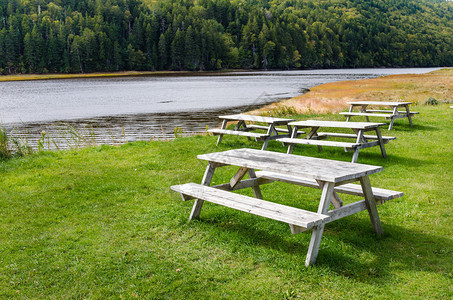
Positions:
(380, 103)
(251, 118)
(336, 124)
(295, 165)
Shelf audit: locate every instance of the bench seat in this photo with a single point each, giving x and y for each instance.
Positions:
(351, 135)
(253, 126)
(380, 195)
(318, 142)
(291, 215)
(390, 111)
(366, 114)
(382, 115)
(284, 130)
(257, 136)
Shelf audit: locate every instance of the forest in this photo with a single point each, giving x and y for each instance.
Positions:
(81, 36)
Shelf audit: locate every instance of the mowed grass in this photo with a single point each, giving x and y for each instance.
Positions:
(102, 222)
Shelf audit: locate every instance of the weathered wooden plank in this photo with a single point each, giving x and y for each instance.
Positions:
(381, 195)
(365, 114)
(315, 242)
(223, 127)
(251, 118)
(336, 124)
(296, 229)
(294, 165)
(346, 210)
(371, 204)
(238, 176)
(207, 177)
(243, 184)
(217, 131)
(256, 188)
(318, 143)
(271, 210)
(261, 127)
(381, 142)
(351, 135)
(335, 200)
(390, 111)
(379, 103)
(278, 129)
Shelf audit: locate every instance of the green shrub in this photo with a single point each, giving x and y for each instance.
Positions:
(431, 101)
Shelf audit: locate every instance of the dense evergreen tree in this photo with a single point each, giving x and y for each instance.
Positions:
(40, 36)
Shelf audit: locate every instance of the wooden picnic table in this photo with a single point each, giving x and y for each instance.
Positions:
(243, 129)
(332, 177)
(359, 129)
(391, 114)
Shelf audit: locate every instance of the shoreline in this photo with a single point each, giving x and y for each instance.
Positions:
(333, 97)
(54, 76)
(31, 77)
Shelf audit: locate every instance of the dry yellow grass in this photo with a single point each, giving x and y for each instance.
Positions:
(332, 97)
(21, 77)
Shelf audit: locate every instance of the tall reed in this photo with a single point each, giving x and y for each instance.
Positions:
(4, 144)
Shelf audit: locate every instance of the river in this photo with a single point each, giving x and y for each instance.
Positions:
(116, 110)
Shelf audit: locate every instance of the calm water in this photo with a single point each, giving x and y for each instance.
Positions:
(141, 108)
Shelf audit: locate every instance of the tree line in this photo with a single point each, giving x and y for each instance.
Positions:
(66, 36)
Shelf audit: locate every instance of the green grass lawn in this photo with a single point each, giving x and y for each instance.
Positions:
(102, 222)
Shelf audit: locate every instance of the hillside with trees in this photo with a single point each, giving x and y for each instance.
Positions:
(74, 36)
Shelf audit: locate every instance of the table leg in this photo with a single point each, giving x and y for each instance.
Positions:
(351, 108)
(290, 130)
(269, 133)
(256, 188)
(371, 204)
(335, 200)
(392, 119)
(408, 114)
(208, 174)
(359, 140)
(381, 142)
(313, 133)
(224, 125)
(244, 126)
(239, 124)
(293, 136)
(363, 110)
(315, 242)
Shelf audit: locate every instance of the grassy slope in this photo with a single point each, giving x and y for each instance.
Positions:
(102, 222)
(332, 97)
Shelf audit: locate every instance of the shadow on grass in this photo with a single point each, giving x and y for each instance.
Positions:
(349, 247)
(408, 128)
(398, 248)
(366, 156)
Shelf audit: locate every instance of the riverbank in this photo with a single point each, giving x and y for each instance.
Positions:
(333, 97)
(26, 77)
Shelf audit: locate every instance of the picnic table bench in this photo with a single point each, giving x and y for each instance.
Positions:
(244, 129)
(392, 114)
(332, 177)
(314, 137)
